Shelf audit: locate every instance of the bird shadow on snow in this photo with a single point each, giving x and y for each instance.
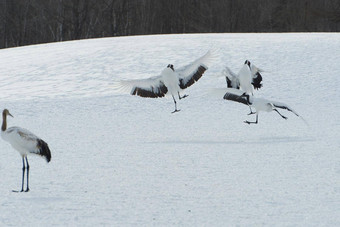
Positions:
(262, 140)
(44, 199)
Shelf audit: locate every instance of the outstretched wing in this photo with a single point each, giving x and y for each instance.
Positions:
(191, 73)
(256, 82)
(231, 78)
(231, 94)
(256, 76)
(284, 106)
(235, 98)
(152, 87)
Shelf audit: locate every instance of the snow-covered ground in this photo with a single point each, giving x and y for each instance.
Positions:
(123, 160)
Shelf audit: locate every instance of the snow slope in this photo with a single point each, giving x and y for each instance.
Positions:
(122, 160)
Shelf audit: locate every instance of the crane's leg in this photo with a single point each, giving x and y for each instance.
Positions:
(245, 95)
(28, 170)
(284, 117)
(23, 176)
(248, 102)
(184, 96)
(176, 110)
(251, 111)
(252, 122)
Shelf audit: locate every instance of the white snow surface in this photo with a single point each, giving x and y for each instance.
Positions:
(122, 160)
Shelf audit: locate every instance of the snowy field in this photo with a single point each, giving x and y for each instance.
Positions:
(121, 160)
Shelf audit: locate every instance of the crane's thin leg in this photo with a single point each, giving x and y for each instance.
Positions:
(23, 176)
(251, 122)
(251, 111)
(184, 96)
(28, 170)
(176, 110)
(284, 117)
(248, 102)
(247, 96)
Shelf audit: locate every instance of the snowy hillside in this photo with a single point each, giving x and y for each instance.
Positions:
(124, 160)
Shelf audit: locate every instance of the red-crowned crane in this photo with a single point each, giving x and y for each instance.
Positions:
(247, 79)
(171, 81)
(25, 143)
(260, 104)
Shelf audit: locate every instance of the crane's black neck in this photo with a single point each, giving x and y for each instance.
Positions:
(4, 122)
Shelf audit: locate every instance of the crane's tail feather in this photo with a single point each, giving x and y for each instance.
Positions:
(44, 150)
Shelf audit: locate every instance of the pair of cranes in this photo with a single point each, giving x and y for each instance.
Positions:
(241, 88)
(171, 82)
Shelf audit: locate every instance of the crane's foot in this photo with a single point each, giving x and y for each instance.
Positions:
(252, 113)
(250, 122)
(184, 96)
(18, 191)
(176, 110)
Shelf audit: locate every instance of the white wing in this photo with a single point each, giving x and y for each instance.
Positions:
(256, 76)
(255, 69)
(227, 72)
(22, 139)
(220, 92)
(152, 87)
(231, 78)
(191, 73)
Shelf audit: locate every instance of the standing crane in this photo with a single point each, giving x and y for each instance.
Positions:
(25, 142)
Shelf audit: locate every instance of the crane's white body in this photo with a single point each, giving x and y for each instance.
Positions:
(245, 79)
(265, 105)
(170, 79)
(22, 140)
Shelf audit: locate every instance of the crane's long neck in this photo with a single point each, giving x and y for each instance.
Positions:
(4, 122)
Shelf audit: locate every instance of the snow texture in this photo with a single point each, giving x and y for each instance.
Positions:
(122, 160)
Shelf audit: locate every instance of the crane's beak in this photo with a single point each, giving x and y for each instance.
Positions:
(10, 114)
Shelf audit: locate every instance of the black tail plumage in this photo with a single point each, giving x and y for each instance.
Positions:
(44, 150)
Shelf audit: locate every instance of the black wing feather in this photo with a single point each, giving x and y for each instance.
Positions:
(235, 98)
(154, 92)
(230, 83)
(285, 108)
(257, 81)
(195, 77)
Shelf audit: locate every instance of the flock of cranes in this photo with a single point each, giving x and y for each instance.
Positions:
(172, 81)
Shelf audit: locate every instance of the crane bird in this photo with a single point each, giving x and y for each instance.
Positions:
(25, 143)
(171, 81)
(233, 79)
(259, 104)
(247, 79)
